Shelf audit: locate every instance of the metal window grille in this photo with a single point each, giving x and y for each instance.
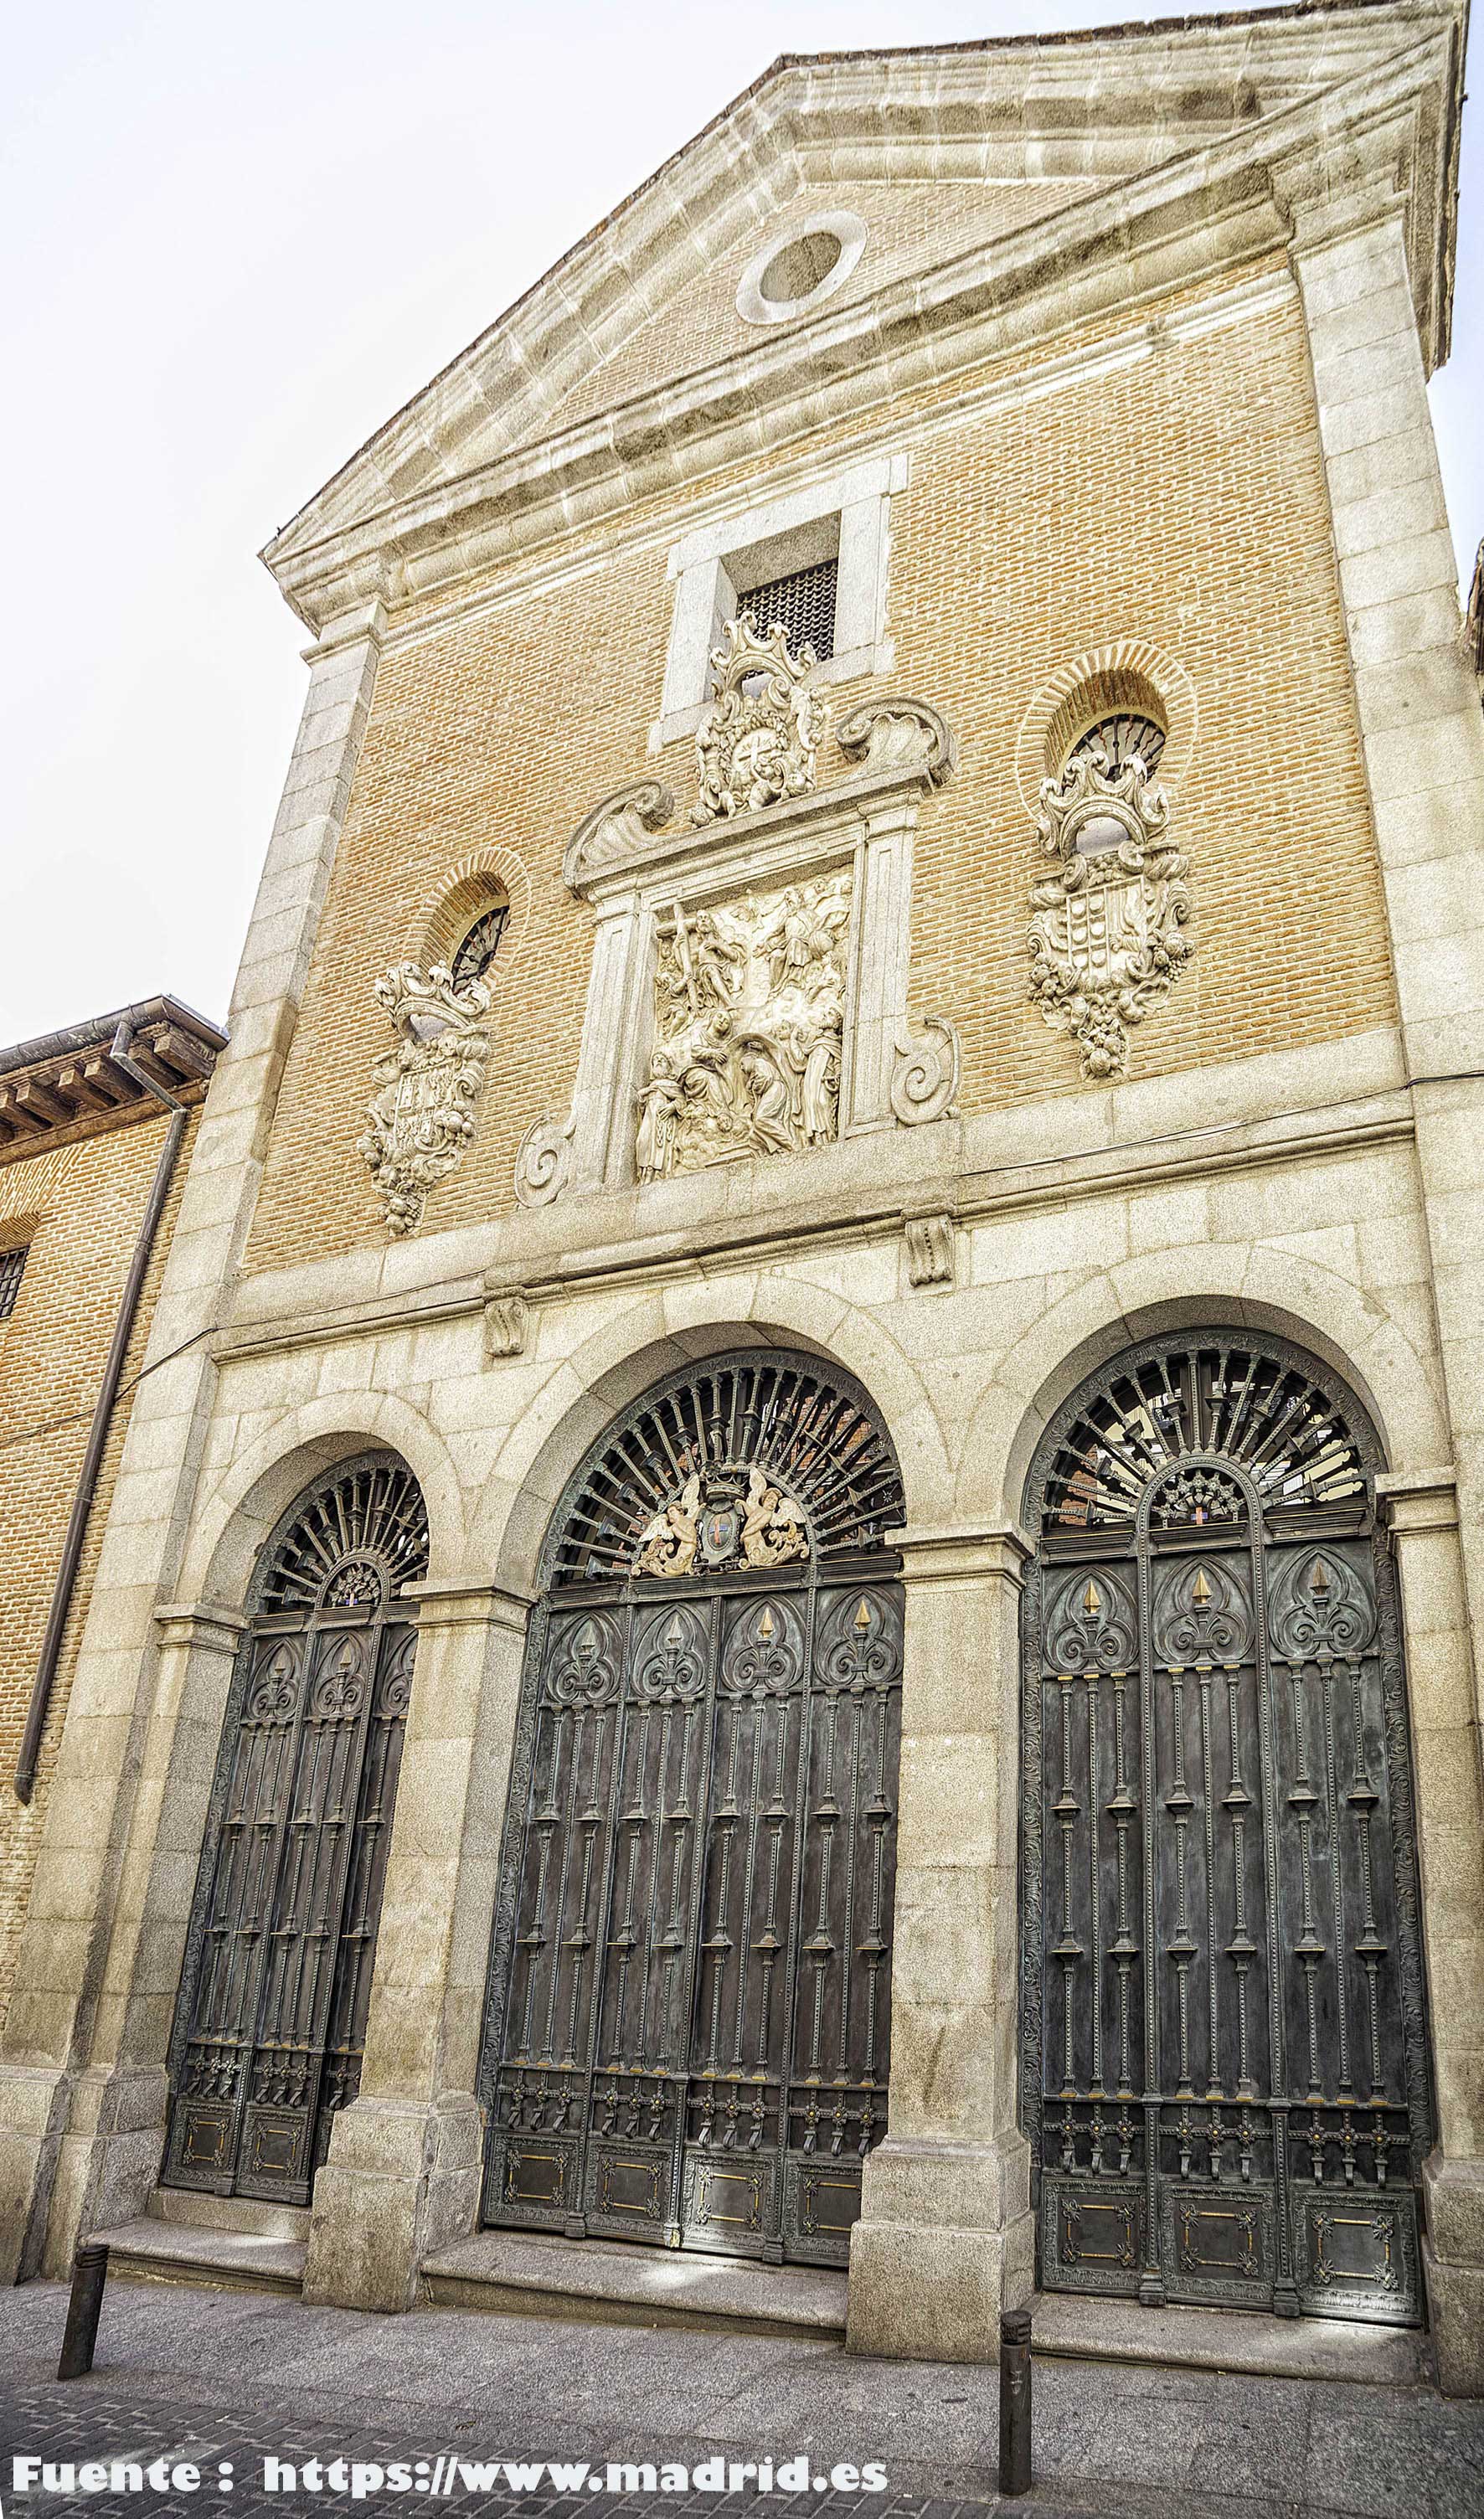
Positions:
(12, 1269)
(1123, 739)
(481, 945)
(804, 605)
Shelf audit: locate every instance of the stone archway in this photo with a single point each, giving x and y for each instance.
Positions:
(1224, 2059)
(688, 2016)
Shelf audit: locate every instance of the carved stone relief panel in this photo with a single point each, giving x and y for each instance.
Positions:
(748, 1008)
(1108, 938)
(423, 1116)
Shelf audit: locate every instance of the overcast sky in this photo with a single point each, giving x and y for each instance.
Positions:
(234, 240)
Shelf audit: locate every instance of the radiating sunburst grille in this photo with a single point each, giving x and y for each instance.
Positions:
(814, 1438)
(1259, 1409)
(368, 1521)
(1124, 737)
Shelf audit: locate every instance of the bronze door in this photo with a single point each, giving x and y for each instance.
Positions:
(690, 1979)
(271, 2024)
(1224, 2052)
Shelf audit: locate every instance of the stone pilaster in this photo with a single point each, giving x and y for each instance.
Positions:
(947, 2238)
(68, 2030)
(883, 962)
(1422, 1511)
(1422, 739)
(402, 2178)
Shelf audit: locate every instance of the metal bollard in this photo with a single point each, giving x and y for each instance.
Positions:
(90, 2271)
(1015, 2402)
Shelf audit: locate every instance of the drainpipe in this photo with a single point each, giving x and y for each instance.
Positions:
(98, 1435)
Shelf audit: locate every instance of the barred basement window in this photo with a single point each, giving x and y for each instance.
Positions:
(802, 602)
(12, 1271)
(481, 945)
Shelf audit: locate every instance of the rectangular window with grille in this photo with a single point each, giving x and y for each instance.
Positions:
(805, 603)
(12, 1269)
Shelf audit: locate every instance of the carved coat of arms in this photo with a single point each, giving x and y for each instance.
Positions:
(1107, 936)
(718, 1522)
(423, 1116)
(749, 1011)
(758, 740)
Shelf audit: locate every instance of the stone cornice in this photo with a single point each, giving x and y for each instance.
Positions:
(792, 838)
(600, 1245)
(466, 1605)
(1413, 1502)
(963, 1553)
(205, 1625)
(1205, 208)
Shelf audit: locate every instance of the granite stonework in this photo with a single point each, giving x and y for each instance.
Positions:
(1330, 1195)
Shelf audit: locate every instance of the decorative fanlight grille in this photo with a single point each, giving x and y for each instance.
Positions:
(1261, 1409)
(1123, 739)
(481, 945)
(355, 1541)
(812, 1438)
(803, 604)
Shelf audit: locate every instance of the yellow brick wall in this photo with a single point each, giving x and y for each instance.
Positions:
(81, 1206)
(1178, 499)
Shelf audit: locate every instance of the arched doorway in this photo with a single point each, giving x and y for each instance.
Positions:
(271, 2019)
(689, 1999)
(1224, 2069)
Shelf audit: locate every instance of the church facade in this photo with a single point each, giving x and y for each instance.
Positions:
(800, 1580)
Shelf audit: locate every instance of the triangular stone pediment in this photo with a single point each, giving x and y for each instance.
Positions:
(944, 155)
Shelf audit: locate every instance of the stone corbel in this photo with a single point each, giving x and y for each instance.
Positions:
(616, 829)
(925, 1073)
(899, 733)
(543, 1163)
(506, 1323)
(930, 1250)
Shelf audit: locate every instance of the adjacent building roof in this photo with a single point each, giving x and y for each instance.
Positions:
(67, 1085)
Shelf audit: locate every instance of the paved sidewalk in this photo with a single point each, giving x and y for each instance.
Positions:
(220, 2375)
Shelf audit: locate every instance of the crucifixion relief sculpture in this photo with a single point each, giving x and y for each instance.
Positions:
(749, 1006)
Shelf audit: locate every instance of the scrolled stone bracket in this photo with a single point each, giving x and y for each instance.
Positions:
(925, 1073)
(930, 1250)
(506, 1323)
(616, 828)
(896, 733)
(544, 1161)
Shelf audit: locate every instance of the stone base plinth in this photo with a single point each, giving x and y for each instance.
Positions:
(401, 2182)
(1453, 2268)
(77, 2151)
(946, 2242)
(33, 2109)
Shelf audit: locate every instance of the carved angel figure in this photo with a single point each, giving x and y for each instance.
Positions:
(667, 1545)
(773, 1529)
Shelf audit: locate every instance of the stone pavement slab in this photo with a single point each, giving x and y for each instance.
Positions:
(223, 2375)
